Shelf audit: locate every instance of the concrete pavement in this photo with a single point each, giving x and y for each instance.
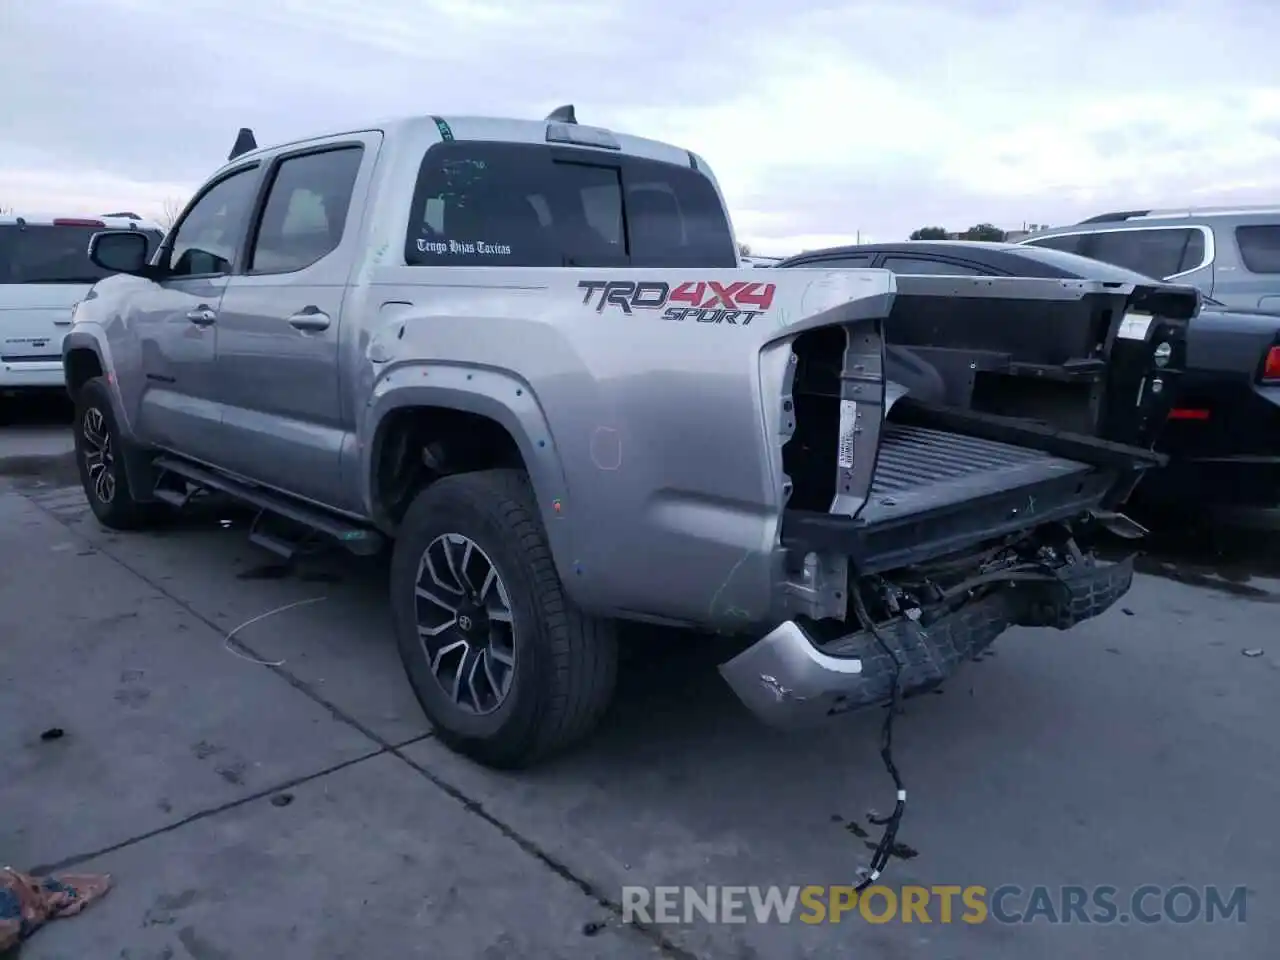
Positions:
(242, 813)
(1137, 749)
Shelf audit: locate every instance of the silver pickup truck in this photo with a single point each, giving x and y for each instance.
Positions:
(522, 355)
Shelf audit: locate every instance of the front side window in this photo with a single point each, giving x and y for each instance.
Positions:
(1260, 247)
(306, 210)
(206, 240)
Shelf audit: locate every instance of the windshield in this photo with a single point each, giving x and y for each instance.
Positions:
(1084, 267)
(52, 254)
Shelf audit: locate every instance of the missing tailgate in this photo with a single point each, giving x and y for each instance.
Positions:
(838, 393)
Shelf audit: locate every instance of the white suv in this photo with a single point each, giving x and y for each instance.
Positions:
(44, 272)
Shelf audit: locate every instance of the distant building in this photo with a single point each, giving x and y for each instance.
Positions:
(1027, 230)
(1010, 236)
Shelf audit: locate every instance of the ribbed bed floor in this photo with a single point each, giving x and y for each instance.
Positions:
(920, 468)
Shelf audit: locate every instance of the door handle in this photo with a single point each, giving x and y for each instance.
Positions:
(201, 316)
(310, 320)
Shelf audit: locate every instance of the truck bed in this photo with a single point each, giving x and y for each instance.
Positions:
(920, 468)
(979, 409)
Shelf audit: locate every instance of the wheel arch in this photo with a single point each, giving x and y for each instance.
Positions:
(483, 419)
(84, 358)
(80, 364)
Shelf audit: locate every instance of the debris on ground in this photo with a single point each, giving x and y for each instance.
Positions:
(27, 903)
(231, 646)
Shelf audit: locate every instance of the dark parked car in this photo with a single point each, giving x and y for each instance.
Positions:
(1223, 436)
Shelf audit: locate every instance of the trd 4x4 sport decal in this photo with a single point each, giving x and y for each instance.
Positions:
(701, 301)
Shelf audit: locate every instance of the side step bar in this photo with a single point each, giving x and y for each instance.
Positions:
(359, 540)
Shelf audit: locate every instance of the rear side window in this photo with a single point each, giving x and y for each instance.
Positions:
(306, 210)
(519, 205)
(1260, 247)
(930, 268)
(1067, 243)
(1153, 253)
(51, 254)
(836, 263)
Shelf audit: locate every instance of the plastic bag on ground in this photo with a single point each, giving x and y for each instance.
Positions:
(27, 903)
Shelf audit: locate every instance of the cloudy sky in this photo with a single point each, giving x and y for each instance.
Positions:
(823, 120)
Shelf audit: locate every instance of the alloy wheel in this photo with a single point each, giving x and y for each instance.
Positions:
(99, 458)
(465, 624)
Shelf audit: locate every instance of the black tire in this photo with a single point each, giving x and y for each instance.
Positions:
(564, 663)
(105, 482)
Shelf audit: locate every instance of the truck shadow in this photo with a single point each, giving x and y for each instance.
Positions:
(46, 408)
(1237, 557)
(35, 441)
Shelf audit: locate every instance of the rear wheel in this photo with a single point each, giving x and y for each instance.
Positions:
(506, 669)
(99, 457)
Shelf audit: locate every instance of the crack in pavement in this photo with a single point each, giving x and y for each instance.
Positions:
(649, 931)
(79, 858)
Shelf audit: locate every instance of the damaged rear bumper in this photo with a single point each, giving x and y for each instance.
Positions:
(787, 679)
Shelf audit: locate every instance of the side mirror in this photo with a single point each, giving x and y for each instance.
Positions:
(119, 251)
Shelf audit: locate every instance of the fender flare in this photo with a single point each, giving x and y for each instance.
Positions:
(84, 337)
(500, 396)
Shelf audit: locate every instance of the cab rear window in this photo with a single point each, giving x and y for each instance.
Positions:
(39, 253)
(528, 205)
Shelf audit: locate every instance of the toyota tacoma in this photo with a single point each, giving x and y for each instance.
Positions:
(523, 356)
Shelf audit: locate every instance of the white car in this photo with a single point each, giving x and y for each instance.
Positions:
(44, 271)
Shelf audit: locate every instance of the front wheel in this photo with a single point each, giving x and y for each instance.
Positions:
(507, 670)
(100, 459)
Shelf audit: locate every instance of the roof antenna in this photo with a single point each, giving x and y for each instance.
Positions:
(563, 114)
(244, 143)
